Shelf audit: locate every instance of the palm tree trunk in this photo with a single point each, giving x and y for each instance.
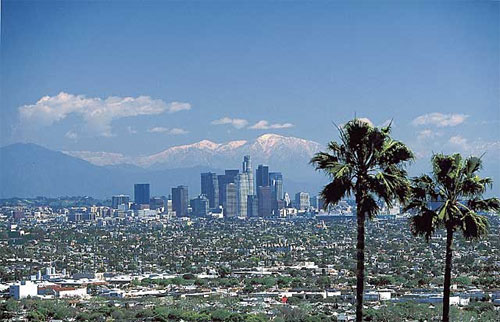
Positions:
(360, 269)
(447, 274)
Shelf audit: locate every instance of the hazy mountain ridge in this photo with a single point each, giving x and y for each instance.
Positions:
(29, 170)
(267, 148)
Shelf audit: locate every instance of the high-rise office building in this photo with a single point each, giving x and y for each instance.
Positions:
(242, 186)
(156, 203)
(231, 200)
(210, 188)
(141, 194)
(168, 206)
(276, 182)
(180, 201)
(262, 176)
(252, 206)
(247, 168)
(264, 197)
(229, 176)
(317, 202)
(221, 180)
(200, 206)
(302, 201)
(119, 200)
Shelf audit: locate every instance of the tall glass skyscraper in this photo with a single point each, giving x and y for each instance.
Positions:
(264, 201)
(262, 176)
(210, 188)
(229, 176)
(141, 193)
(200, 206)
(180, 201)
(276, 182)
(252, 206)
(242, 186)
(247, 168)
(231, 200)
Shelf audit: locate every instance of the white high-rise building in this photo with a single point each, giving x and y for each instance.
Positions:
(247, 168)
(243, 189)
(287, 200)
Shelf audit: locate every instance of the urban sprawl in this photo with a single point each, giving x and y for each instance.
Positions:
(241, 250)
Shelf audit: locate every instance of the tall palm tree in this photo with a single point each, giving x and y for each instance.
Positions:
(451, 198)
(368, 164)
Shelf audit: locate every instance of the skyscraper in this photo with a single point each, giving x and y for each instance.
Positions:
(252, 206)
(242, 194)
(264, 197)
(276, 182)
(141, 193)
(262, 175)
(200, 206)
(119, 200)
(210, 188)
(287, 202)
(247, 168)
(221, 180)
(156, 203)
(228, 177)
(231, 200)
(231, 175)
(302, 201)
(180, 201)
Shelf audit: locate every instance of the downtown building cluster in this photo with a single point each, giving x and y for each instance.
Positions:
(240, 194)
(234, 194)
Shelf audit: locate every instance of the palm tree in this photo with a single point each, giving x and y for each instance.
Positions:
(368, 164)
(451, 198)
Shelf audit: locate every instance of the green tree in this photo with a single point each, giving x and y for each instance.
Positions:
(369, 164)
(451, 198)
(224, 271)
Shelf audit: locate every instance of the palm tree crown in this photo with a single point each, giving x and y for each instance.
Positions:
(451, 197)
(367, 163)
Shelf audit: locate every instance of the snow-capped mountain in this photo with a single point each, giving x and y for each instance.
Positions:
(276, 150)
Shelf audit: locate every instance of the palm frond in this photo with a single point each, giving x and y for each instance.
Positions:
(474, 185)
(323, 160)
(474, 226)
(490, 204)
(472, 165)
(333, 192)
(395, 152)
(424, 224)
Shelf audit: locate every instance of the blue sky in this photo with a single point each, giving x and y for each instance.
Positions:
(138, 77)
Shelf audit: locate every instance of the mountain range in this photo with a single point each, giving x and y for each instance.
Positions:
(29, 170)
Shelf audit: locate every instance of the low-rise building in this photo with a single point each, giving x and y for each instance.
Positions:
(23, 290)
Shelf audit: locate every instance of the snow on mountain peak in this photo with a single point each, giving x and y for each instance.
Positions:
(205, 144)
(234, 144)
(269, 136)
(264, 148)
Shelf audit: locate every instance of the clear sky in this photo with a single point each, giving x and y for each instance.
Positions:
(138, 77)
